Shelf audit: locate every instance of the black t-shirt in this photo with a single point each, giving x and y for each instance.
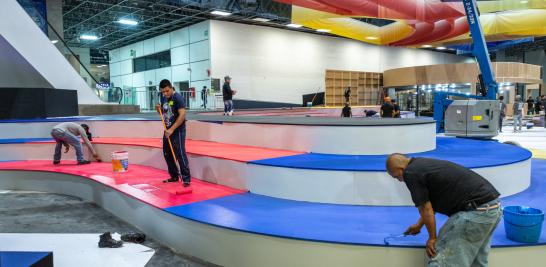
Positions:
(346, 111)
(448, 186)
(227, 92)
(170, 108)
(397, 109)
(530, 103)
(387, 109)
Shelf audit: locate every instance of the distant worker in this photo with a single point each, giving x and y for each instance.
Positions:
(370, 113)
(173, 108)
(518, 109)
(346, 111)
(502, 107)
(538, 105)
(227, 94)
(387, 109)
(396, 107)
(204, 97)
(347, 94)
(543, 104)
(470, 201)
(530, 106)
(68, 134)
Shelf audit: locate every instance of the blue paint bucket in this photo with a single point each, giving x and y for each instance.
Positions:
(523, 224)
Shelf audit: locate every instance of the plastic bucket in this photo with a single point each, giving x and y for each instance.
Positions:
(523, 224)
(120, 161)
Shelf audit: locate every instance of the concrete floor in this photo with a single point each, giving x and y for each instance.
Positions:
(33, 212)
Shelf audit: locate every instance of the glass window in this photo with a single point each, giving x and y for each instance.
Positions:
(152, 62)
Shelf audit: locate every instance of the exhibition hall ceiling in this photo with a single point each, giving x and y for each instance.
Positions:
(414, 23)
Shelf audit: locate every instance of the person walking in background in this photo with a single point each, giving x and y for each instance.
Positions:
(387, 109)
(173, 108)
(530, 106)
(502, 107)
(204, 97)
(538, 105)
(347, 94)
(346, 111)
(543, 103)
(227, 94)
(518, 109)
(68, 134)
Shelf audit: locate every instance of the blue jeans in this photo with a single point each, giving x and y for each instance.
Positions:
(465, 239)
(178, 139)
(517, 122)
(228, 106)
(61, 137)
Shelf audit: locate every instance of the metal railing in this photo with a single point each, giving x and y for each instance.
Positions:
(148, 96)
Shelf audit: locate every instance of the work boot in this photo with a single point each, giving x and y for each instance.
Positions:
(186, 184)
(171, 180)
(56, 162)
(106, 241)
(83, 162)
(138, 238)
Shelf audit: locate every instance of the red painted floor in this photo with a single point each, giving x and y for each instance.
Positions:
(141, 182)
(213, 149)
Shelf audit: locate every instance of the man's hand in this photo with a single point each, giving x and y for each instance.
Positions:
(157, 107)
(168, 132)
(97, 158)
(413, 229)
(431, 247)
(66, 148)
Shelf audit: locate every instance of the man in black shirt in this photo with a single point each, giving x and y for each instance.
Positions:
(387, 109)
(530, 107)
(396, 108)
(470, 201)
(346, 111)
(173, 108)
(228, 93)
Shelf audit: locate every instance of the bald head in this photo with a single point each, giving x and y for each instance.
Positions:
(396, 165)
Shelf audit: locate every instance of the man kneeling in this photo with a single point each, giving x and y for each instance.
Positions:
(470, 201)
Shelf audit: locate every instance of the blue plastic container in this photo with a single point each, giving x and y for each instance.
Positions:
(523, 224)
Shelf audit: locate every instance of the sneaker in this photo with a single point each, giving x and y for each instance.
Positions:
(56, 162)
(106, 241)
(171, 180)
(134, 237)
(83, 162)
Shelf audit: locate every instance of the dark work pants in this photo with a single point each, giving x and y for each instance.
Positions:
(178, 139)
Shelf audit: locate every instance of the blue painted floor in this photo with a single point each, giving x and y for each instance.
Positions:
(484, 154)
(361, 225)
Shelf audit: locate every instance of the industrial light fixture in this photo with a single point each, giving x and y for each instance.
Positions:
(426, 46)
(128, 22)
(89, 37)
(261, 19)
(524, 2)
(323, 30)
(371, 38)
(101, 66)
(220, 13)
(441, 48)
(54, 41)
(293, 25)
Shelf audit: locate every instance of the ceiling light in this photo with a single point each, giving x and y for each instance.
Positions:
(323, 30)
(261, 19)
(88, 37)
(101, 66)
(128, 22)
(523, 2)
(441, 48)
(371, 38)
(293, 25)
(54, 41)
(220, 13)
(426, 46)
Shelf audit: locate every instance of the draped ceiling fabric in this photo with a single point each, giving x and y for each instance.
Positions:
(420, 22)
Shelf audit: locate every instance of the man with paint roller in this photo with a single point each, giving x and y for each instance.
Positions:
(470, 201)
(173, 114)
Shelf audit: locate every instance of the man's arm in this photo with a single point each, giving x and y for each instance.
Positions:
(428, 218)
(88, 143)
(177, 123)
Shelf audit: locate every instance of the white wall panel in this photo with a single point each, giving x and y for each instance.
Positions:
(148, 46)
(127, 81)
(162, 42)
(125, 52)
(126, 66)
(138, 48)
(199, 70)
(149, 76)
(180, 37)
(138, 80)
(114, 55)
(116, 81)
(164, 73)
(199, 51)
(115, 69)
(180, 73)
(199, 31)
(180, 55)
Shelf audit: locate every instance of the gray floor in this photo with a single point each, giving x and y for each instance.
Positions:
(27, 212)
